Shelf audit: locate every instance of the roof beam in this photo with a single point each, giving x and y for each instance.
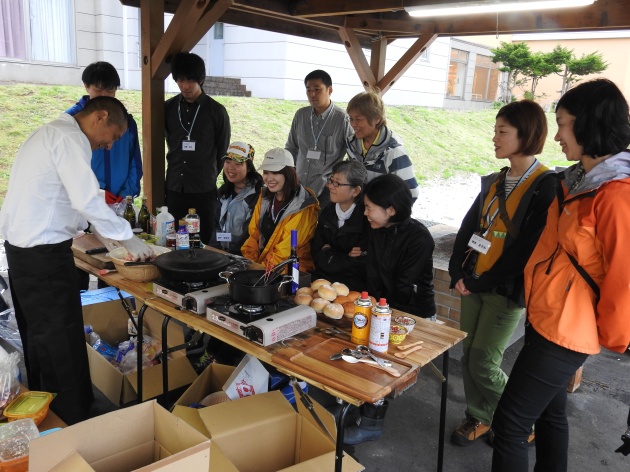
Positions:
(207, 21)
(313, 8)
(396, 26)
(357, 57)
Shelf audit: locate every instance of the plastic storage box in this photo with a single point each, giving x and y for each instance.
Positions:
(32, 405)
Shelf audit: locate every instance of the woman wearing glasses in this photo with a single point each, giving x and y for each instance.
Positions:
(376, 146)
(338, 247)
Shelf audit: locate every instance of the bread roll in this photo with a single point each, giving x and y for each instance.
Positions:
(348, 310)
(318, 283)
(354, 295)
(341, 300)
(306, 290)
(327, 292)
(341, 289)
(333, 310)
(215, 398)
(303, 299)
(318, 304)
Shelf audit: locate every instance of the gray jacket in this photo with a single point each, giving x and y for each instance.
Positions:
(233, 215)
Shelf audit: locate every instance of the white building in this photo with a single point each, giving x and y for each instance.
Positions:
(51, 42)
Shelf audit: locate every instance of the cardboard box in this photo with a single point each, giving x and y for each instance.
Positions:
(143, 437)
(263, 433)
(211, 380)
(109, 320)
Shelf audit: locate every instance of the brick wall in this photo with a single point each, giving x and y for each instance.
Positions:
(447, 301)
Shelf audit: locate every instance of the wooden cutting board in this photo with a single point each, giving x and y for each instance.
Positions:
(86, 242)
(362, 381)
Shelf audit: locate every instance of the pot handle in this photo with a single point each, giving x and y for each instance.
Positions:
(285, 280)
(225, 275)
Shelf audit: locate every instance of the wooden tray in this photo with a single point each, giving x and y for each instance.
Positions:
(362, 381)
(89, 241)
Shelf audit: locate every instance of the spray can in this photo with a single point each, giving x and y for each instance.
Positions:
(361, 320)
(379, 326)
(295, 267)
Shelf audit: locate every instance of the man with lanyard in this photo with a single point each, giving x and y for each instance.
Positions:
(317, 140)
(53, 192)
(197, 134)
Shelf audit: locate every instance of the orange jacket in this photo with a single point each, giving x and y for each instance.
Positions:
(301, 214)
(594, 227)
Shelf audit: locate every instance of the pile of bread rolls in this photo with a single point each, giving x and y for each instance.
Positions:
(334, 300)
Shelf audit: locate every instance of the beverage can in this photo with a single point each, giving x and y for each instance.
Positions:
(380, 323)
(361, 321)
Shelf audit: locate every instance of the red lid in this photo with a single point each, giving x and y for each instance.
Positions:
(382, 302)
(364, 295)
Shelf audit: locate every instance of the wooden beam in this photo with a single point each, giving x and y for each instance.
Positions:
(186, 17)
(378, 57)
(313, 8)
(378, 24)
(153, 162)
(207, 21)
(405, 62)
(357, 57)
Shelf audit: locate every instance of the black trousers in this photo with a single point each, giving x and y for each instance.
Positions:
(47, 304)
(204, 203)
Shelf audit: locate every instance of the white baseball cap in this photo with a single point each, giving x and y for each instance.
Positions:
(277, 159)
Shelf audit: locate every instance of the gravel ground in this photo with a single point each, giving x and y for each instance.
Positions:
(447, 201)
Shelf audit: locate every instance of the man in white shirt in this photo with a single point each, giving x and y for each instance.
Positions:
(317, 139)
(52, 193)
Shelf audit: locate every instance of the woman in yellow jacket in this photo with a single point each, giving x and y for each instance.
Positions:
(283, 205)
(576, 281)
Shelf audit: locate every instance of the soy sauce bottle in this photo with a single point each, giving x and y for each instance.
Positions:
(130, 213)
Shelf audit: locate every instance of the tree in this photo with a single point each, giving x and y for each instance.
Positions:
(575, 68)
(541, 65)
(515, 58)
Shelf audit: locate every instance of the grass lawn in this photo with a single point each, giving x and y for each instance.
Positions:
(441, 143)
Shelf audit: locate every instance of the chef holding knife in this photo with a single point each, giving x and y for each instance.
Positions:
(52, 191)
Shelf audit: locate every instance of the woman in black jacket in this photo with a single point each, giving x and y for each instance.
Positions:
(340, 241)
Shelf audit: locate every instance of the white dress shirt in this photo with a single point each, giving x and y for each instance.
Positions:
(52, 190)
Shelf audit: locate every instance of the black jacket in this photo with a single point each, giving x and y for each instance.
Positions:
(400, 267)
(334, 264)
(506, 275)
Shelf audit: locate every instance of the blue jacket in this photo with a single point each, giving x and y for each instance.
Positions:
(118, 170)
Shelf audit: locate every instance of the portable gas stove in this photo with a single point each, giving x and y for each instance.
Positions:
(263, 324)
(193, 296)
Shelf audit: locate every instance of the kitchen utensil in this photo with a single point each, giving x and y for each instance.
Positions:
(407, 321)
(366, 352)
(192, 265)
(96, 250)
(336, 357)
(137, 272)
(354, 360)
(271, 274)
(402, 355)
(242, 288)
(410, 345)
(397, 333)
(352, 352)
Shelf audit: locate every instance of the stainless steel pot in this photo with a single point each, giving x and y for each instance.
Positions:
(242, 289)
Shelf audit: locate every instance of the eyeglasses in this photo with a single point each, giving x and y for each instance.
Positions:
(336, 184)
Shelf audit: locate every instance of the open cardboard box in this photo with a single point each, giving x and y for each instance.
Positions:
(143, 437)
(263, 433)
(109, 320)
(211, 380)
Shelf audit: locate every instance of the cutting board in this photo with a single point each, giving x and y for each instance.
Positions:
(362, 381)
(89, 241)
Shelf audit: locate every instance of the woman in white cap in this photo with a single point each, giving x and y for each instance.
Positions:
(283, 205)
(237, 198)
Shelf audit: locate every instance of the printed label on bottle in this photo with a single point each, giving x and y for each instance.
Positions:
(169, 227)
(360, 320)
(192, 226)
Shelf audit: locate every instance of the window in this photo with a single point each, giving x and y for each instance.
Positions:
(38, 30)
(218, 30)
(486, 79)
(457, 74)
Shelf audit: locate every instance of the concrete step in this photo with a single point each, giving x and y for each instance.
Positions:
(225, 86)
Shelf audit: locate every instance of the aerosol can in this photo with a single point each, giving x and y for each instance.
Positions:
(361, 321)
(379, 326)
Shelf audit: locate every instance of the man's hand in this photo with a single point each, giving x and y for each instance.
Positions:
(355, 252)
(461, 288)
(110, 244)
(137, 248)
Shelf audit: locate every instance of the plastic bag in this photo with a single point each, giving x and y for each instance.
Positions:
(9, 383)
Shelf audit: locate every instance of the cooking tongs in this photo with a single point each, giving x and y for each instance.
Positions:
(273, 273)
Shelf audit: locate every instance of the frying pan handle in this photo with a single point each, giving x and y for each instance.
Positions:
(225, 275)
(285, 280)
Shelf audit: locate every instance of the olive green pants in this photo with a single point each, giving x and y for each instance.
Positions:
(489, 321)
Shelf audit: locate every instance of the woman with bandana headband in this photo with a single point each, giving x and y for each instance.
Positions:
(237, 198)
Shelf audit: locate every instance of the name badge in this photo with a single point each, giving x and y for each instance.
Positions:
(312, 154)
(188, 145)
(479, 244)
(224, 237)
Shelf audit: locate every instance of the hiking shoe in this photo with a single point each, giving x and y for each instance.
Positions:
(490, 438)
(469, 431)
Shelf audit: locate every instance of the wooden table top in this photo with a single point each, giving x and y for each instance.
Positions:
(302, 357)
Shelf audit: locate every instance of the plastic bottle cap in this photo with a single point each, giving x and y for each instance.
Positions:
(382, 302)
(364, 295)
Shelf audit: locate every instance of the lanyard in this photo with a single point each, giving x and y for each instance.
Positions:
(316, 138)
(490, 219)
(276, 217)
(188, 131)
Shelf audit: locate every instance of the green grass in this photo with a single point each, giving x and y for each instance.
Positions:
(441, 143)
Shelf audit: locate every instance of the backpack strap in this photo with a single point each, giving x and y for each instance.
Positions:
(589, 280)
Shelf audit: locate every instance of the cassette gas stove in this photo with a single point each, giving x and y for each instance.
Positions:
(263, 324)
(193, 296)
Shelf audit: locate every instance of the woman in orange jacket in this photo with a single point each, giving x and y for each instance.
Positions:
(283, 205)
(576, 281)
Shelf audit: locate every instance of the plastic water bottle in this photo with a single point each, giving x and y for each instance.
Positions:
(165, 224)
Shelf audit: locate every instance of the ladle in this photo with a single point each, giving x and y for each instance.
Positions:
(354, 360)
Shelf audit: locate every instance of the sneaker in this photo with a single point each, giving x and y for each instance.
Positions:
(490, 438)
(469, 431)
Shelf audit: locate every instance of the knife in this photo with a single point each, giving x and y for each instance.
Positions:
(96, 250)
(336, 357)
